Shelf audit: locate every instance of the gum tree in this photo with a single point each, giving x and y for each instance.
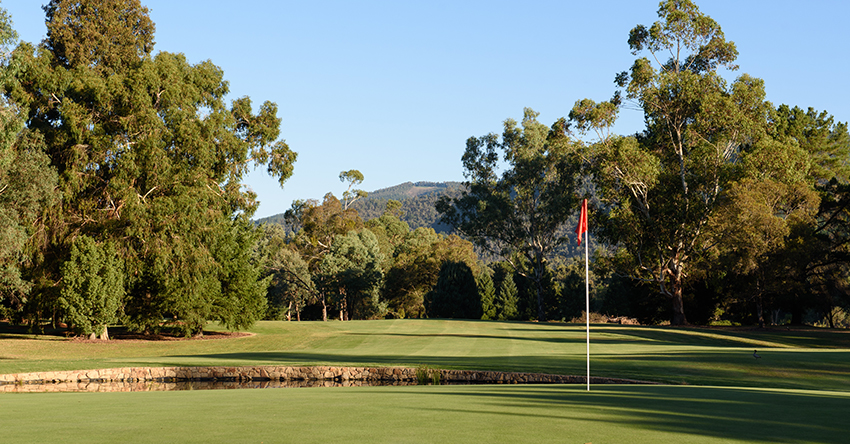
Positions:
(518, 212)
(150, 155)
(659, 188)
(26, 184)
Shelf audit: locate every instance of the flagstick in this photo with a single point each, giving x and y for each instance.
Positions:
(587, 300)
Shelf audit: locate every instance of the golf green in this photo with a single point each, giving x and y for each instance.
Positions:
(420, 414)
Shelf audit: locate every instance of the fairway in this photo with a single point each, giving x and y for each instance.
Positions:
(798, 391)
(816, 360)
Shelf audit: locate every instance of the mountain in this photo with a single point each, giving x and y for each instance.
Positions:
(417, 203)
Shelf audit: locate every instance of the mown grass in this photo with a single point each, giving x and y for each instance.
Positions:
(431, 414)
(803, 359)
(797, 392)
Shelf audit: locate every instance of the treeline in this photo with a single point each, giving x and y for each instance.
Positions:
(723, 209)
(338, 266)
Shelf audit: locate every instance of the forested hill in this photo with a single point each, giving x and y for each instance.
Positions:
(417, 202)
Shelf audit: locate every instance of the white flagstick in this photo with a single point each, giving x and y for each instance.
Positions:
(587, 300)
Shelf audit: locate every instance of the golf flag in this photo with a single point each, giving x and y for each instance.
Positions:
(581, 229)
(582, 221)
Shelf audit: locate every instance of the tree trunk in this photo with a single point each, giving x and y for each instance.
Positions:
(289, 312)
(343, 312)
(105, 334)
(759, 303)
(796, 314)
(324, 308)
(538, 275)
(541, 314)
(678, 305)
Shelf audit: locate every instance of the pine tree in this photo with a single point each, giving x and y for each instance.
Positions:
(506, 301)
(455, 295)
(487, 294)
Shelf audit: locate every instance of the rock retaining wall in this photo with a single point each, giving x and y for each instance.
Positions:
(140, 377)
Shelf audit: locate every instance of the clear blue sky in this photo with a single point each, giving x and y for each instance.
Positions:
(394, 88)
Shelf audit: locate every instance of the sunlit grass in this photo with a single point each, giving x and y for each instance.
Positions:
(806, 359)
(456, 414)
(796, 392)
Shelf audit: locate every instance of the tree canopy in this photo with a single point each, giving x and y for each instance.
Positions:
(658, 189)
(148, 154)
(521, 212)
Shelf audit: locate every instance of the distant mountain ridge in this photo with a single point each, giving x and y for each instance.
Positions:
(409, 190)
(417, 203)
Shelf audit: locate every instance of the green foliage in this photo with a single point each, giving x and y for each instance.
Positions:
(658, 190)
(241, 299)
(352, 274)
(455, 295)
(27, 183)
(390, 232)
(487, 295)
(426, 375)
(26, 190)
(417, 265)
(92, 287)
(354, 178)
(291, 287)
(149, 156)
(520, 213)
(572, 300)
(780, 239)
(506, 300)
(817, 133)
(417, 205)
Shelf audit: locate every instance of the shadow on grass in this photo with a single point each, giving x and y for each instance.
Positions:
(736, 414)
(821, 370)
(777, 336)
(556, 340)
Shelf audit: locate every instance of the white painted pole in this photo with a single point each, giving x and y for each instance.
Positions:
(587, 300)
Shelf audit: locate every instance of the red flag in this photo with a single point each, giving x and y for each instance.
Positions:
(582, 221)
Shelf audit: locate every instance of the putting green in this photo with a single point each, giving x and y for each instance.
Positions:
(420, 414)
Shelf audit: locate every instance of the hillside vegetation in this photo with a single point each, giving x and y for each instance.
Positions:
(417, 204)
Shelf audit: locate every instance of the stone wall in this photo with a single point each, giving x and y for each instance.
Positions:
(145, 378)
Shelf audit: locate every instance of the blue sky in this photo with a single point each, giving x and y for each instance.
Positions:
(395, 88)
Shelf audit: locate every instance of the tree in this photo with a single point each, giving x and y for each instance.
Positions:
(506, 300)
(92, 287)
(660, 188)
(455, 295)
(521, 213)
(757, 225)
(148, 155)
(804, 157)
(320, 225)
(352, 272)
(292, 285)
(354, 178)
(26, 186)
(487, 295)
(390, 231)
(417, 265)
